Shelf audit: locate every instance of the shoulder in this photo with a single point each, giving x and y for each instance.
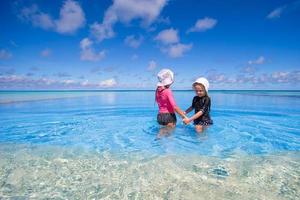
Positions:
(206, 98)
(195, 100)
(168, 91)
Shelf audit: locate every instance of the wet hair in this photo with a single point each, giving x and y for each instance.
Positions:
(199, 84)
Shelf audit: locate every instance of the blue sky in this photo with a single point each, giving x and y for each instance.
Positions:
(122, 44)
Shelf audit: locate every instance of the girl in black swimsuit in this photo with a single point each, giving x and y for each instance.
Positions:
(201, 104)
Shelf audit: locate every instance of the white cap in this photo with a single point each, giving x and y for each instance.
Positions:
(204, 82)
(165, 77)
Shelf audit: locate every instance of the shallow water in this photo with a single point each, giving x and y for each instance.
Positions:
(104, 145)
(64, 173)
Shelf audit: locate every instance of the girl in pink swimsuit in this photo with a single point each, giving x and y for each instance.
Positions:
(165, 100)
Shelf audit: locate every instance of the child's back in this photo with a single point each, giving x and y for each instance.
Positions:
(165, 100)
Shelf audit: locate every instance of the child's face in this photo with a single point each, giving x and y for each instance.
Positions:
(199, 90)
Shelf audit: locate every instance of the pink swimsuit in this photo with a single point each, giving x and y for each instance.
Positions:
(165, 100)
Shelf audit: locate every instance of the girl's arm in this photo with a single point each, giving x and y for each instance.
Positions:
(173, 103)
(195, 116)
(180, 112)
(189, 109)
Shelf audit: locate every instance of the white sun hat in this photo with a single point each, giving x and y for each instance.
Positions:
(204, 82)
(165, 77)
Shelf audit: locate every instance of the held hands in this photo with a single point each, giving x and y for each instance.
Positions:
(186, 120)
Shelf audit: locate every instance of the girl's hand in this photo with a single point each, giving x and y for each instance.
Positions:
(186, 121)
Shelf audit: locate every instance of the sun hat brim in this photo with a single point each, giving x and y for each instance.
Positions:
(204, 82)
(165, 82)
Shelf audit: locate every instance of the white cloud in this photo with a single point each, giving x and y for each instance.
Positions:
(213, 76)
(71, 18)
(22, 82)
(177, 50)
(170, 43)
(289, 7)
(88, 53)
(283, 77)
(102, 31)
(275, 13)
(152, 65)
(203, 25)
(146, 10)
(125, 11)
(46, 52)
(4, 54)
(249, 70)
(164, 20)
(36, 17)
(277, 79)
(133, 41)
(17, 81)
(43, 20)
(85, 83)
(108, 83)
(168, 36)
(68, 81)
(277, 75)
(260, 60)
(218, 78)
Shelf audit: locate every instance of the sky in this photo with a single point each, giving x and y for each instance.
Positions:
(123, 44)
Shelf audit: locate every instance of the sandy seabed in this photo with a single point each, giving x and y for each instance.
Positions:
(40, 172)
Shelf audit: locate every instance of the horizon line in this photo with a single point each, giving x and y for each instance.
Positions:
(103, 90)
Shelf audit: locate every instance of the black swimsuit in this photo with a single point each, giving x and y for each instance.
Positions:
(202, 104)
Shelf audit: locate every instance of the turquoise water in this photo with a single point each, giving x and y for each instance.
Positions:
(51, 141)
